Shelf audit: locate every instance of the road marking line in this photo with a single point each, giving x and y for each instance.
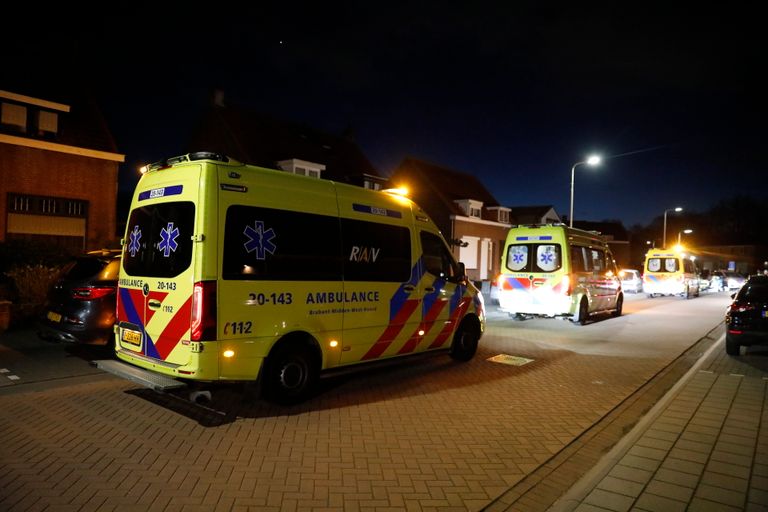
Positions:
(4, 370)
(13, 377)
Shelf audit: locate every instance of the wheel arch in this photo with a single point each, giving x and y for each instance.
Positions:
(303, 339)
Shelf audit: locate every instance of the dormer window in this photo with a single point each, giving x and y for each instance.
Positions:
(301, 167)
(47, 122)
(14, 116)
(499, 214)
(471, 207)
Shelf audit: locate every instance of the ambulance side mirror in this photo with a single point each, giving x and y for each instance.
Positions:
(462, 277)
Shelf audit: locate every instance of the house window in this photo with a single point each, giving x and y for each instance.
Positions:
(301, 167)
(471, 207)
(44, 205)
(47, 122)
(371, 185)
(504, 216)
(14, 117)
(19, 203)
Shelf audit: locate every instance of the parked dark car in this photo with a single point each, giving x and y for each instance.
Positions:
(746, 321)
(81, 303)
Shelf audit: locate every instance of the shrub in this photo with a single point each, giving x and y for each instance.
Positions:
(32, 282)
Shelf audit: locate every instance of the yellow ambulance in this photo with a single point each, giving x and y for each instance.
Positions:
(670, 272)
(552, 270)
(232, 272)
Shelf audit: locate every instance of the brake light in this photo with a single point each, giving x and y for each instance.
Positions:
(565, 285)
(92, 292)
(204, 311)
(738, 307)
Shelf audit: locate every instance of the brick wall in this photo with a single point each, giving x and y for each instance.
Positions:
(33, 171)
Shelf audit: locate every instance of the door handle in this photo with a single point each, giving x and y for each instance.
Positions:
(409, 288)
(153, 304)
(429, 289)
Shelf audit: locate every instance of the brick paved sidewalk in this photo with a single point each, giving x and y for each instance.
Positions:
(704, 447)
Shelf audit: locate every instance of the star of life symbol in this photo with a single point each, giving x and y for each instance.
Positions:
(547, 257)
(517, 257)
(168, 243)
(133, 246)
(259, 240)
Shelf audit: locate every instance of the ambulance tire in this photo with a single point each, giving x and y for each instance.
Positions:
(290, 372)
(619, 306)
(583, 312)
(465, 341)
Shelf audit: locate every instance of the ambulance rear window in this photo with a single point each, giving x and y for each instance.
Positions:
(534, 257)
(159, 239)
(662, 265)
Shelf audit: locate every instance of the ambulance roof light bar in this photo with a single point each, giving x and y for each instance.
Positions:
(189, 157)
(399, 191)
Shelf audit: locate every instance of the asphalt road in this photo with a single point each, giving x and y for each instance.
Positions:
(427, 434)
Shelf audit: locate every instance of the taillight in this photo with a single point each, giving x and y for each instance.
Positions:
(738, 307)
(92, 292)
(204, 311)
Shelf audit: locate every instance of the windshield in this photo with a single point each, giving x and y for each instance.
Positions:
(159, 240)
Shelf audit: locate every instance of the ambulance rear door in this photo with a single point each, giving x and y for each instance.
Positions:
(157, 277)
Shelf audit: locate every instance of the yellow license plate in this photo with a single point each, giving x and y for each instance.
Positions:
(53, 317)
(132, 337)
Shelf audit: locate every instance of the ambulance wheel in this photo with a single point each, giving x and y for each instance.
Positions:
(290, 373)
(619, 306)
(583, 312)
(465, 341)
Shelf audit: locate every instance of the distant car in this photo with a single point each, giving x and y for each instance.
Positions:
(631, 280)
(746, 321)
(734, 280)
(705, 280)
(81, 304)
(717, 281)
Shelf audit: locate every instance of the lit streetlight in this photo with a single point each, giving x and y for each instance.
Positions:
(664, 238)
(592, 161)
(686, 231)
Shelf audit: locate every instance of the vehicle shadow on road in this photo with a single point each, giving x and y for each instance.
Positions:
(421, 376)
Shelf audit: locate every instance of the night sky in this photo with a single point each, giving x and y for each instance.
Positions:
(672, 97)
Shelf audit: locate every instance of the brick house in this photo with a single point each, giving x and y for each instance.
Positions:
(468, 215)
(59, 168)
(258, 139)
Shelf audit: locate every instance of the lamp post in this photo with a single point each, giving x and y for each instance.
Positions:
(592, 160)
(664, 238)
(686, 231)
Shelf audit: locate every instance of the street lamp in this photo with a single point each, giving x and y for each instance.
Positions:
(664, 239)
(592, 161)
(686, 231)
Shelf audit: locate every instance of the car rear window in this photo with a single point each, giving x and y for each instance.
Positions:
(754, 292)
(84, 268)
(159, 239)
